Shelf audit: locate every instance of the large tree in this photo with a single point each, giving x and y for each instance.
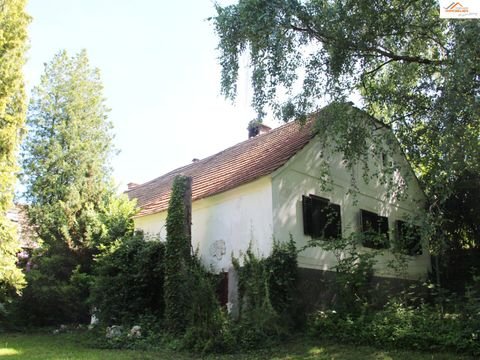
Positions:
(66, 153)
(412, 70)
(13, 39)
(72, 203)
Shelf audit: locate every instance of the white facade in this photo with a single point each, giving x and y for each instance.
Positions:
(225, 224)
(271, 207)
(300, 177)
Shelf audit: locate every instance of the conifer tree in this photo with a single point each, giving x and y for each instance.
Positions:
(66, 154)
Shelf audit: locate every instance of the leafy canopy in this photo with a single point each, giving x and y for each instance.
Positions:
(13, 39)
(412, 70)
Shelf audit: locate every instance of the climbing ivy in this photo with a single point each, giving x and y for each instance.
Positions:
(266, 288)
(178, 258)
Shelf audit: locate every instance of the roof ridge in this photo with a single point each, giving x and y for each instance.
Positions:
(236, 165)
(205, 160)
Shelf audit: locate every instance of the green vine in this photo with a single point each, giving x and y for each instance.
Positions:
(178, 259)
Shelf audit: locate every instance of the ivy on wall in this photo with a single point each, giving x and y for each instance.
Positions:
(178, 255)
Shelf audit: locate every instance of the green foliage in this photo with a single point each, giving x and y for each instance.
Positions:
(400, 325)
(353, 271)
(128, 281)
(282, 268)
(208, 325)
(66, 153)
(57, 292)
(267, 294)
(58, 283)
(73, 206)
(11, 277)
(415, 72)
(178, 259)
(13, 44)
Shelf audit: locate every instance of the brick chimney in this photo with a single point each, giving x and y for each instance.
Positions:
(257, 128)
(131, 186)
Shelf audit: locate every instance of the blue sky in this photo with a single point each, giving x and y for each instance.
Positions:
(158, 61)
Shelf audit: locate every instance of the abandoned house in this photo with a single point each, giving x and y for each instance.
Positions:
(272, 185)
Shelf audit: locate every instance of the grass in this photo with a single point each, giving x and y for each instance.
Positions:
(73, 346)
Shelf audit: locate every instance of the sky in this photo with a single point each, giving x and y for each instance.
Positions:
(159, 68)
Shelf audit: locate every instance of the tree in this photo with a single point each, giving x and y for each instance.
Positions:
(66, 153)
(72, 203)
(417, 73)
(13, 25)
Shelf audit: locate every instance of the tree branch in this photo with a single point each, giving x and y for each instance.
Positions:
(377, 68)
(325, 39)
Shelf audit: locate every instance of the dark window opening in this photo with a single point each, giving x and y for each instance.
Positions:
(321, 218)
(408, 237)
(375, 230)
(222, 289)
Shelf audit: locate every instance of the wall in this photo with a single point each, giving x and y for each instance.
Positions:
(306, 174)
(226, 223)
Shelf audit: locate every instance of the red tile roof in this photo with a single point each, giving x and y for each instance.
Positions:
(230, 168)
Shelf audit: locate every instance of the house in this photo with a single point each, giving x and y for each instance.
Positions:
(273, 185)
(27, 238)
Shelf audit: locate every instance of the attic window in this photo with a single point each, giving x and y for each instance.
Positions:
(321, 218)
(408, 237)
(375, 230)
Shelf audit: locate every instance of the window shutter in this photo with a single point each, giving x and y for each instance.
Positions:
(307, 215)
(408, 237)
(334, 227)
(383, 226)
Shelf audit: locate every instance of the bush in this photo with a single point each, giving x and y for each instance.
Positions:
(208, 325)
(398, 325)
(57, 291)
(129, 281)
(266, 289)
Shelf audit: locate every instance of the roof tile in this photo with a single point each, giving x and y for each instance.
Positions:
(230, 168)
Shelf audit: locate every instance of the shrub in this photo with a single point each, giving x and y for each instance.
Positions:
(129, 280)
(266, 289)
(398, 325)
(282, 273)
(208, 325)
(57, 291)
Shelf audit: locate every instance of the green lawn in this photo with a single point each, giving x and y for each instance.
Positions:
(75, 346)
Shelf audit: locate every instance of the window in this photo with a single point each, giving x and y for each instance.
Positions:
(321, 218)
(375, 230)
(408, 237)
(222, 288)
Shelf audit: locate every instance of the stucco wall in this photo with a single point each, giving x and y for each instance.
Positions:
(303, 175)
(226, 223)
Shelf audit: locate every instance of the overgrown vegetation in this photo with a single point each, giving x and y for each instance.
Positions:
(266, 294)
(73, 206)
(421, 317)
(178, 258)
(414, 72)
(128, 281)
(453, 325)
(13, 44)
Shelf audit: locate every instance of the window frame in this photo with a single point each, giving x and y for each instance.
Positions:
(382, 230)
(313, 210)
(414, 249)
